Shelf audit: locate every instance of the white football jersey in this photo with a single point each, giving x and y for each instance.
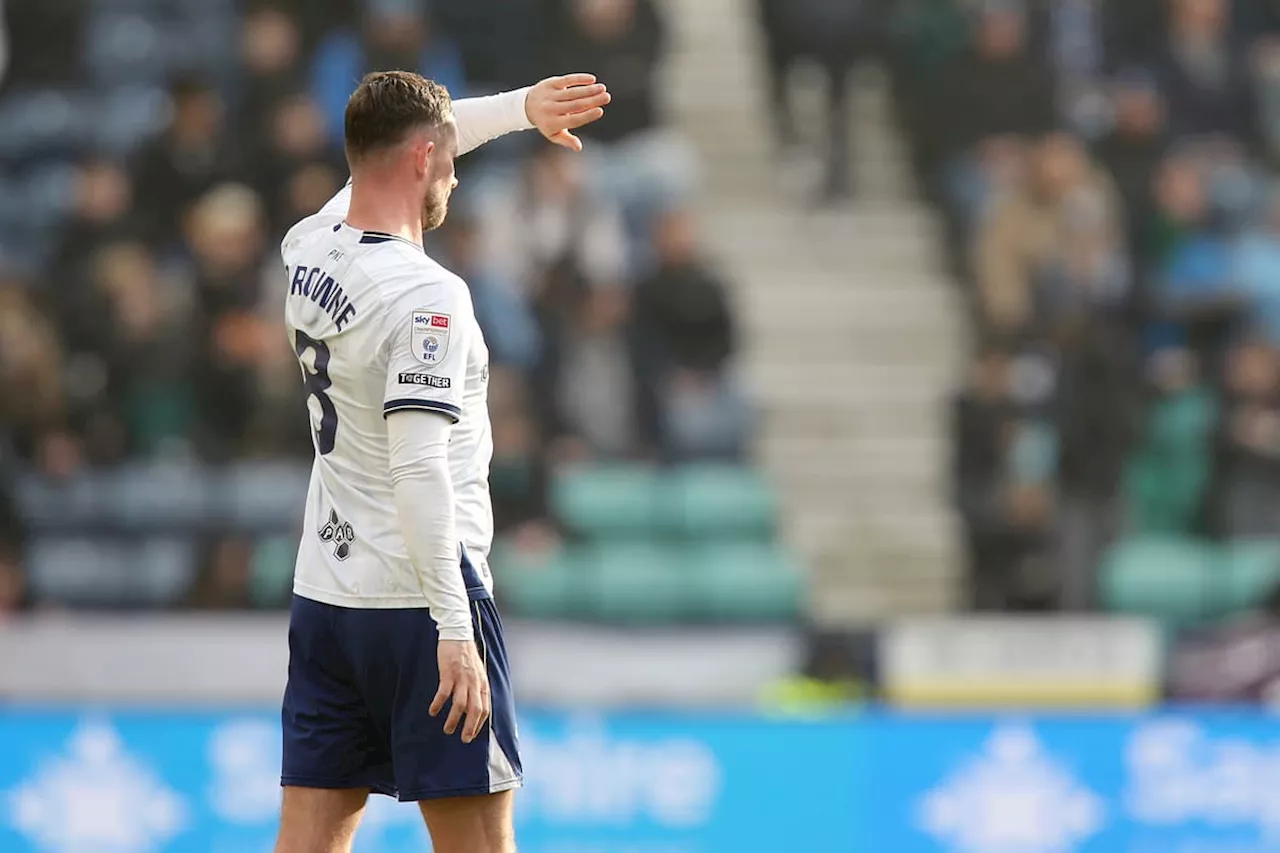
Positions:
(379, 327)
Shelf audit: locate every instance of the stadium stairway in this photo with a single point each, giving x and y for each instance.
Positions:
(851, 334)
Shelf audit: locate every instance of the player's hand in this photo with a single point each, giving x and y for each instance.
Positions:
(558, 105)
(464, 680)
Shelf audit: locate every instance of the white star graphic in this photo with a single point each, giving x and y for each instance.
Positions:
(96, 798)
(1013, 798)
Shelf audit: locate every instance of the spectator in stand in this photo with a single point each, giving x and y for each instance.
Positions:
(589, 380)
(1054, 240)
(686, 331)
(103, 213)
(297, 169)
(189, 157)
(395, 34)
(1249, 464)
(1002, 477)
(518, 475)
(1266, 78)
(226, 235)
(5, 52)
(32, 403)
(131, 342)
(1133, 149)
(621, 41)
(636, 160)
(44, 42)
(997, 89)
(502, 307)
(271, 52)
(1205, 75)
(552, 222)
(1255, 269)
(834, 35)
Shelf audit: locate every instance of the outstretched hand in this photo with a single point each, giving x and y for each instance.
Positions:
(558, 105)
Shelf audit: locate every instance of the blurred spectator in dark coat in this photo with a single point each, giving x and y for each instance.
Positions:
(998, 88)
(1000, 474)
(103, 213)
(131, 345)
(1205, 75)
(184, 161)
(1134, 147)
(270, 50)
(395, 34)
(1249, 461)
(297, 168)
(620, 41)
(588, 379)
(44, 42)
(834, 34)
(227, 237)
(686, 333)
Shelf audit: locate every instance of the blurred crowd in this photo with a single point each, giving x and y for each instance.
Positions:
(152, 152)
(1105, 169)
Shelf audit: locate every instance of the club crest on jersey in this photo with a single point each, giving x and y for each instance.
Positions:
(430, 336)
(340, 534)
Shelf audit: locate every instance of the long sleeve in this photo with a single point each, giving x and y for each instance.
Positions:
(483, 119)
(418, 444)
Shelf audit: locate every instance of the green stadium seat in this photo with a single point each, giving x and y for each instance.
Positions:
(1250, 572)
(544, 585)
(1167, 577)
(719, 501)
(608, 500)
(638, 584)
(747, 581)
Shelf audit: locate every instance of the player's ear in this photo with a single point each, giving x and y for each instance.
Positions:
(422, 152)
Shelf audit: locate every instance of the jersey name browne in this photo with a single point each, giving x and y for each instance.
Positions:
(379, 327)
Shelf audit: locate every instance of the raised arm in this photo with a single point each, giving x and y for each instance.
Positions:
(555, 106)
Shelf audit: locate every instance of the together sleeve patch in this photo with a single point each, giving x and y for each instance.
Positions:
(426, 379)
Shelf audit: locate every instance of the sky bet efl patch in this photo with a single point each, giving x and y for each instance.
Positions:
(430, 336)
(425, 379)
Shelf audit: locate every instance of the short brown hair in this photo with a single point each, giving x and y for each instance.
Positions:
(387, 105)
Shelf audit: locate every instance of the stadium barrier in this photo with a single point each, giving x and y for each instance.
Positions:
(1170, 781)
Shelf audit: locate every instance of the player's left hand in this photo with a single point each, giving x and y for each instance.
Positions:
(558, 105)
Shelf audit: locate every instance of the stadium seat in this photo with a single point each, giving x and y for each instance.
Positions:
(639, 584)
(1167, 577)
(718, 500)
(618, 501)
(537, 584)
(1250, 572)
(746, 581)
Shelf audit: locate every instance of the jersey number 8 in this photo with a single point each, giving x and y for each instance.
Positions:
(315, 378)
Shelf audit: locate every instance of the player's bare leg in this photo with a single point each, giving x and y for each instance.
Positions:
(481, 824)
(318, 820)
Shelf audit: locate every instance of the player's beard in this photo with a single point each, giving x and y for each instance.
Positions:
(434, 209)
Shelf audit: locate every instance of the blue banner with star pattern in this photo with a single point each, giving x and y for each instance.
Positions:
(1171, 782)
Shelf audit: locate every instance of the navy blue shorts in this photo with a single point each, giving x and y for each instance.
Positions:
(356, 708)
